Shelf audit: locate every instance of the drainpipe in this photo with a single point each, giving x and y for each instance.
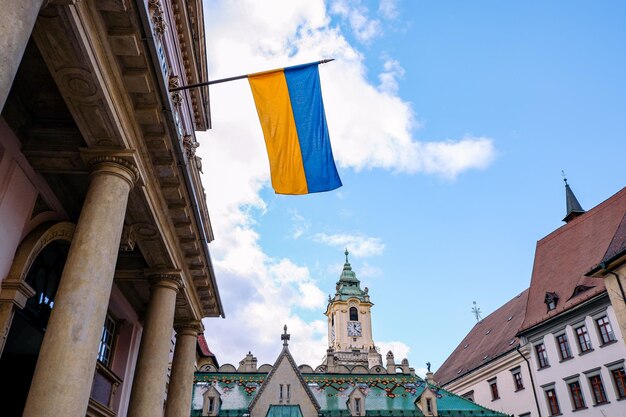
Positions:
(532, 381)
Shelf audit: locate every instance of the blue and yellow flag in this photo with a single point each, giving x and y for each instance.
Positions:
(291, 112)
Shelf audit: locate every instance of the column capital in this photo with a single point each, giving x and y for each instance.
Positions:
(191, 328)
(112, 161)
(166, 279)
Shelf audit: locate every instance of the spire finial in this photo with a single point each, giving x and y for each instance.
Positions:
(346, 253)
(476, 312)
(285, 336)
(573, 208)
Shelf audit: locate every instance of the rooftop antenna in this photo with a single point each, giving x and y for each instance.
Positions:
(476, 312)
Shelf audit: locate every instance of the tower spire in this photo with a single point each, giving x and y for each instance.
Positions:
(572, 206)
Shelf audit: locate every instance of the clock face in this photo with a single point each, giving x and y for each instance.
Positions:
(354, 328)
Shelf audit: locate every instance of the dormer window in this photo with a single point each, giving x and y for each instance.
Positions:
(580, 289)
(551, 300)
(354, 315)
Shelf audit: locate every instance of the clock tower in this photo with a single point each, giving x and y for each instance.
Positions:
(350, 338)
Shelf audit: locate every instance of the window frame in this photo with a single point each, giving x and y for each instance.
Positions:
(595, 381)
(562, 342)
(542, 355)
(576, 395)
(106, 351)
(553, 402)
(619, 384)
(355, 316)
(605, 329)
(493, 389)
(518, 382)
(582, 332)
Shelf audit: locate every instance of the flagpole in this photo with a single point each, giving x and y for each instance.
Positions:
(238, 77)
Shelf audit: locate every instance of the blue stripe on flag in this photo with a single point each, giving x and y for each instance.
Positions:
(305, 94)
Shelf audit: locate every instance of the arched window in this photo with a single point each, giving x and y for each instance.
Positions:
(354, 315)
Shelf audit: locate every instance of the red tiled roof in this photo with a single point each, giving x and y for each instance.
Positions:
(204, 347)
(618, 243)
(564, 256)
(489, 339)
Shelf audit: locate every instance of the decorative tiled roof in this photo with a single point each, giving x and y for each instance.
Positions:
(348, 285)
(490, 338)
(284, 411)
(564, 256)
(386, 395)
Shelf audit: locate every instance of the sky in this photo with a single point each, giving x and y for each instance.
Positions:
(450, 123)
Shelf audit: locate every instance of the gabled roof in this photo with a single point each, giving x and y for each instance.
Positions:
(616, 249)
(564, 256)
(285, 355)
(490, 338)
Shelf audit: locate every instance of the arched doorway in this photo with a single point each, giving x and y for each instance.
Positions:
(28, 326)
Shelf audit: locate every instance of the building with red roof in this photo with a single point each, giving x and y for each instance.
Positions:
(566, 333)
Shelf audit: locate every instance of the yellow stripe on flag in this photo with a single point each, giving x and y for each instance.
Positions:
(273, 105)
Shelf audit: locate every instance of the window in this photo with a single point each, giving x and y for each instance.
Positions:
(354, 315)
(564, 349)
(551, 300)
(493, 387)
(578, 402)
(542, 356)
(280, 392)
(619, 378)
(597, 389)
(584, 343)
(105, 349)
(606, 332)
(469, 395)
(288, 391)
(211, 405)
(553, 404)
(357, 405)
(429, 405)
(517, 379)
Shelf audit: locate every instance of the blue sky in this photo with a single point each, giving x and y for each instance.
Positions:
(450, 122)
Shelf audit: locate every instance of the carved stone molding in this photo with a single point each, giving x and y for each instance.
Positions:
(167, 279)
(128, 240)
(119, 162)
(177, 96)
(190, 146)
(158, 18)
(192, 327)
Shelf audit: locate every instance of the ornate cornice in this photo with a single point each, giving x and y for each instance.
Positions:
(158, 18)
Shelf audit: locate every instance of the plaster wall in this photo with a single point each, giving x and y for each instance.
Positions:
(511, 401)
(126, 348)
(284, 374)
(617, 298)
(342, 341)
(17, 198)
(581, 366)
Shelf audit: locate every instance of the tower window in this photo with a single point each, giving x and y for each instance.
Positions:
(354, 315)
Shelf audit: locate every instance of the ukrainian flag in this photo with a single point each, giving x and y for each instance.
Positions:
(291, 112)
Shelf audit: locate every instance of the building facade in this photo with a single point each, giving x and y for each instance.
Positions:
(352, 380)
(569, 332)
(104, 224)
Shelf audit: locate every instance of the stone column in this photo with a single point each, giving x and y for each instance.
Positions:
(183, 366)
(16, 24)
(62, 381)
(148, 392)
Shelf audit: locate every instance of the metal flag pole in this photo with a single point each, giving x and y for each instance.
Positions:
(239, 77)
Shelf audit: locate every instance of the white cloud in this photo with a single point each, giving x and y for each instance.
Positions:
(388, 9)
(371, 128)
(364, 28)
(359, 245)
(299, 225)
(389, 78)
(400, 350)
